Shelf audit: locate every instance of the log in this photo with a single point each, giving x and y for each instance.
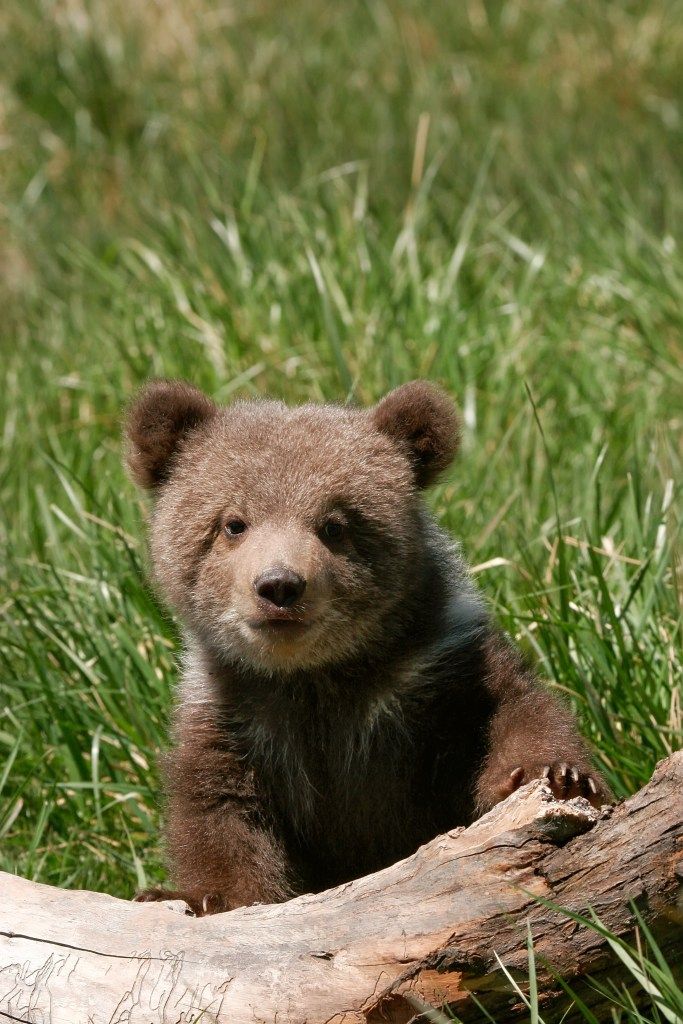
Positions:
(383, 948)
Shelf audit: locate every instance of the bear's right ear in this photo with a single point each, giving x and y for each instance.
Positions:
(164, 412)
(420, 418)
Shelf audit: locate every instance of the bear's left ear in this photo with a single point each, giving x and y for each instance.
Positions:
(420, 417)
(163, 415)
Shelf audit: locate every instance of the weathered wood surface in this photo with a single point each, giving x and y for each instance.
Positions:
(421, 931)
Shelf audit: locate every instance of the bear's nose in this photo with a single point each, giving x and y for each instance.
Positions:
(280, 587)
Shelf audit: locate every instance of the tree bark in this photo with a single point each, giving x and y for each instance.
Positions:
(420, 933)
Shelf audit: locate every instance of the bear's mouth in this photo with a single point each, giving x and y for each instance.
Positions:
(288, 626)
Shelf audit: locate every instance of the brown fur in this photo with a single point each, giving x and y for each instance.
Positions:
(319, 740)
(164, 413)
(421, 418)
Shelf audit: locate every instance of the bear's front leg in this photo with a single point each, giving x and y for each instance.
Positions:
(531, 735)
(221, 853)
(219, 860)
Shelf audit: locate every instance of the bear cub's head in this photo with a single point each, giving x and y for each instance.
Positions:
(288, 538)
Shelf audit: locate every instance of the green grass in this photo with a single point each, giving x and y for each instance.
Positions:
(319, 201)
(642, 991)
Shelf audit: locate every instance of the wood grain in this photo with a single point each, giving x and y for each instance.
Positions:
(383, 948)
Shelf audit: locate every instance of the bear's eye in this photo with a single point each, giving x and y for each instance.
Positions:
(234, 527)
(333, 530)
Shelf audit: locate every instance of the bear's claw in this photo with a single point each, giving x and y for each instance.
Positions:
(566, 781)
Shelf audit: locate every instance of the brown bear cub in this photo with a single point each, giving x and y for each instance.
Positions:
(345, 696)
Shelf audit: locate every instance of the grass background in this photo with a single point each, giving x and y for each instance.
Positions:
(320, 201)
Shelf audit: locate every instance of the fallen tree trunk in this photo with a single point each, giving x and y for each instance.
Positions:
(422, 932)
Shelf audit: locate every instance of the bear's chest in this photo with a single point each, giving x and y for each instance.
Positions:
(348, 796)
